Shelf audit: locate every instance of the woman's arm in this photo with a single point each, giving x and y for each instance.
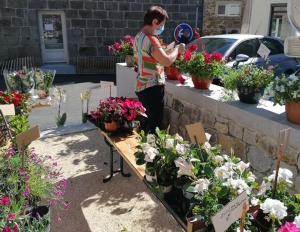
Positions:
(167, 59)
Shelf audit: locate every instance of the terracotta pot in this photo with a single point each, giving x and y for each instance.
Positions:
(110, 126)
(172, 73)
(250, 95)
(129, 59)
(292, 111)
(200, 83)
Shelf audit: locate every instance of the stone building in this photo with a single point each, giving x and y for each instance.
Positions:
(63, 30)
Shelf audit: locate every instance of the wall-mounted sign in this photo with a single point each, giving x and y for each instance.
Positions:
(293, 8)
(179, 31)
(292, 46)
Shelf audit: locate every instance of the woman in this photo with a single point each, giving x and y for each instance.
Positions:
(151, 59)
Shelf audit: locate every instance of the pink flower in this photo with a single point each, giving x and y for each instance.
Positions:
(15, 228)
(270, 67)
(67, 205)
(11, 216)
(6, 229)
(27, 177)
(21, 172)
(9, 167)
(55, 164)
(4, 201)
(58, 219)
(289, 227)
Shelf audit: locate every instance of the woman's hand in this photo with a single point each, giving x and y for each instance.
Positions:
(181, 47)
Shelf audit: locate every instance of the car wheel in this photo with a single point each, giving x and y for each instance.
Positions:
(289, 72)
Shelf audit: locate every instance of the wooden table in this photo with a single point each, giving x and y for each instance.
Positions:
(125, 143)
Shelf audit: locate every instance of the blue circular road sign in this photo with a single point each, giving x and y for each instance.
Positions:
(179, 31)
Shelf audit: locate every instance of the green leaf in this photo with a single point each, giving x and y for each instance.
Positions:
(208, 171)
(190, 189)
(140, 161)
(223, 191)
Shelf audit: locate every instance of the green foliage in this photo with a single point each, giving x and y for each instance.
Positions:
(61, 120)
(19, 124)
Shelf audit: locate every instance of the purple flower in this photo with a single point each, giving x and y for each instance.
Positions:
(21, 172)
(27, 177)
(55, 164)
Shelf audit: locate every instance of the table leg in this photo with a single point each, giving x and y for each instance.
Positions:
(121, 168)
(111, 162)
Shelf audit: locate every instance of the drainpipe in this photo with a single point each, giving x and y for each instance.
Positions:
(250, 14)
(197, 6)
(199, 13)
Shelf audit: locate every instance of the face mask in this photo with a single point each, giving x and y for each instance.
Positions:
(159, 31)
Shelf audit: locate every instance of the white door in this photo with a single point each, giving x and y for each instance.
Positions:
(53, 37)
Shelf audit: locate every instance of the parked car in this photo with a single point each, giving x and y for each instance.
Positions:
(231, 45)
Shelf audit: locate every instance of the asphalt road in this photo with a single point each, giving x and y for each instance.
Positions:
(45, 117)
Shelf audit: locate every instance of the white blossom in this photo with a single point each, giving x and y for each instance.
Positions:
(145, 147)
(239, 230)
(221, 173)
(282, 90)
(150, 138)
(283, 175)
(263, 188)
(254, 201)
(238, 184)
(251, 177)
(295, 94)
(277, 88)
(277, 79)
(274, 208)
(297, 221)
(150, 154)
(290, 83)
(202, 185)
(242, 166)
(170, 143)
(185, 168)
(178, 137)
(218, 158)
(181, 148)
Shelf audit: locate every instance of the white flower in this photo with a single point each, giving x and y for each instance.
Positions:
(274, 208)
(208, 136)
(150, 154)
(169, 143)
(242, 166)
(282, 90)
(238, 184)
(254, 201)
(150, 138)
(178, 138)
(181, 148)
(251, 178)
(282, 102)
(185, 168)
(238, 230)
(222, 173)
(206, 145)
(297, 221)
(202, 184)
(295, 94)
(218, 158)
(283, 175)
(263, 188)
(277, 79)
(145, 147)
(277, 88)
(290, 83)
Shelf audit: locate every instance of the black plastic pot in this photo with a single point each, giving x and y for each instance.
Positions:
(250, 95)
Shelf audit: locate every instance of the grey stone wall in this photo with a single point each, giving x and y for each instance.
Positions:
(92, 25)
(251, 146)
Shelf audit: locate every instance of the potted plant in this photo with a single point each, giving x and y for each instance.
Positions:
(60, 100)
(202, 67)
(124, 49)
(249, 81)
(85, 98)
(43, 82)
(287, 92)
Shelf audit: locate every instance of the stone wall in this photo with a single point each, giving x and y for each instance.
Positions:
(249, 143)
(91, 25)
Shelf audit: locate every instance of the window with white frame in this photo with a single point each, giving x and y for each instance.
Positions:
(228, 9)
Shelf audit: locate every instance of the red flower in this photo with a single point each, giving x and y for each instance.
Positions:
(1, 92)
(4, 201)
(216, 56)
(193, 47)
(187, 56)
(15, 228)
(11, 216)
(117, 46)
(207, 58)
(178, 55)
(6, 98)
(6, 229)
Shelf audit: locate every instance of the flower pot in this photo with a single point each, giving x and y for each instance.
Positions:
(195, 223)
(129, 60)
(167, 189)
(110, 126)
(292, 111)
(260, 221)
(172, 73)
(200, 83)
(150, 176)
(250, 95)
(84, 117)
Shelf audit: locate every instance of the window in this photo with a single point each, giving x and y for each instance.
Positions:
(228, 9)
(248, 48)
(274, 46)
(280, 26)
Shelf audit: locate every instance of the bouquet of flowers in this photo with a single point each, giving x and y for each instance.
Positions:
(122, 48)
(21, 81)
(43, 82)
(203, 66)
(20, 101)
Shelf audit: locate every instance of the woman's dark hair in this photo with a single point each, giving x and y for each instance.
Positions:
(155, 12)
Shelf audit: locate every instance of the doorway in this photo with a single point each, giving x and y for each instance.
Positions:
(53, 36)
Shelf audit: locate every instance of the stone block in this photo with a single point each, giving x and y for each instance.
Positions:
(73, 49)
(16, 3)
(114, 32)
(25, 41)
(222, 120)
(87, 51)
(208, 119)
(72, 14)
(297, 184)
(174, 117)
(20, 13)
(35, 37)
(267, 144)
(173, 128)
(76, 32)
(214, 136)
(10, 31)
(76, 4)
(293, 169)
(136, 6)
(7, 12)
(133, 15)
(132, 24)
(179, 16)
(109, 40)
(60, 5)
(250, 137)
(90, 5)
(291, 156)
(116, 15)
(101, 32)
(107, 23)
(183, 133)
(100, 14)
(93, 23)
(177, 105)
(78, 23)
(85, 14)
(2, 52)
(5, 21)
(236, 130)
(90, 32)
(9, 40)
(33, 4)
(178, 2)
(226, 141)
(11, 53)
(240, 149)
(120, 23)
(111, 6)
(130, 31)
(123, 6)
(101, 6)
(183, 120)
(186, 8)
(191, 16)
(93, 41)
(259, 176)
(221, 127)
(17, 22)
(172, 8)
(258, 159)
(32, 18)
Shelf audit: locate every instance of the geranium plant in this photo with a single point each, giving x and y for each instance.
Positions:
(21, 81)
(286, 88)
(202, 65)
(122, 48)
(247, 76)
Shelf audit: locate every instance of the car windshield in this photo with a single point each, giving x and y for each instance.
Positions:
(211, 45)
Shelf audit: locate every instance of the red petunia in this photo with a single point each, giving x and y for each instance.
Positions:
(207, 58)
(187, 56)
(193, 47)
(216, 56)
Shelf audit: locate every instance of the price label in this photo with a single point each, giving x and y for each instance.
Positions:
(28, 136)
(107, 85)
(7, 109)
(263, 51)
